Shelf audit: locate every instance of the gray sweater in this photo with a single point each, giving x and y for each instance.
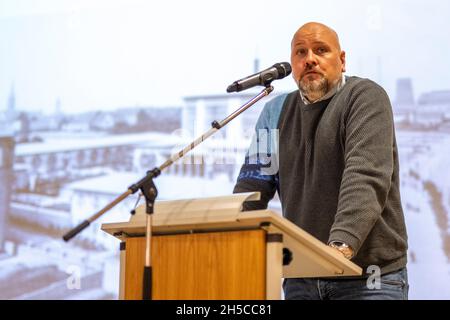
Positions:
(338, 174)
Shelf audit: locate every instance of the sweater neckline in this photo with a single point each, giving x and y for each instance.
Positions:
(314, 106)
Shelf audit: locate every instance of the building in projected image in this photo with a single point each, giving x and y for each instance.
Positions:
(37, 203)
(226, 150)
(6, 178)
(404, 103)
(433, 109)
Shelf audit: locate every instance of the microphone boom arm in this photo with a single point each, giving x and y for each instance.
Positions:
(215, 126)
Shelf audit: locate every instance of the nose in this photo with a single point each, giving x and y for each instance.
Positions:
(310, 59)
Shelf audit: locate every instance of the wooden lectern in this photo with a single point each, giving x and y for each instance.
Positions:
(209, 249)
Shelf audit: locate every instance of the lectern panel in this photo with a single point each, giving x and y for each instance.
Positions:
(214, 265)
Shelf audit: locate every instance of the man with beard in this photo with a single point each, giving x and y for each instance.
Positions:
(335, 168)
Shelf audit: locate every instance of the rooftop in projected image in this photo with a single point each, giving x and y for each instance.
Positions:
(71, 144)
(169, 187)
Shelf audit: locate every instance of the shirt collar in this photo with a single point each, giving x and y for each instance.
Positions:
(330, 93)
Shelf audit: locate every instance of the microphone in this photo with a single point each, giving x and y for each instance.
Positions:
(262, 78)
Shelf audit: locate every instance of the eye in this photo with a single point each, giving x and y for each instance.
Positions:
(301, 52)
(321, 50)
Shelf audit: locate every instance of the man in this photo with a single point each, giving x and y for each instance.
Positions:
(338, 171)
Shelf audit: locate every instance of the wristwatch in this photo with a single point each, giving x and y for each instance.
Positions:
(344, 248)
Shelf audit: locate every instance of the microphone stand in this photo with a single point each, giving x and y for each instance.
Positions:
(148, 189)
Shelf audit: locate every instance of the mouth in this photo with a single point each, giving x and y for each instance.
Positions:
(308, 76)
(312, 72)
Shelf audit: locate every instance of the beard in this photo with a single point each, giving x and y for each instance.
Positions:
(315, 89)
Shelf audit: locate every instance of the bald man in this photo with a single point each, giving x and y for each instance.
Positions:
(335, 169)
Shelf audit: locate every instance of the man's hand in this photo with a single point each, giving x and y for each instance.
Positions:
(343, 248)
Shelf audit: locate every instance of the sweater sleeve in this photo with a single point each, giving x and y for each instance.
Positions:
(369, 163)
(260, 169)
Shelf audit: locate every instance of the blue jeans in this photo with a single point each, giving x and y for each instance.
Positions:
(392, 286)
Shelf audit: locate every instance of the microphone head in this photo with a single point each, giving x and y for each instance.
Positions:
(262, 78)
(284, 69)
(232, 87)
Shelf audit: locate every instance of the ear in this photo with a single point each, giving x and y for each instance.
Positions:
(342, 57)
